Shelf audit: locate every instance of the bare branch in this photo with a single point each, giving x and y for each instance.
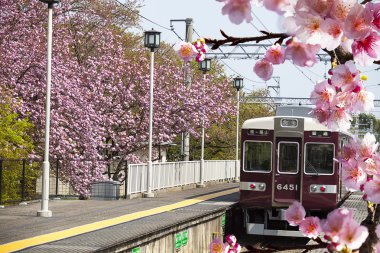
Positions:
(237, 40)
(366, 1)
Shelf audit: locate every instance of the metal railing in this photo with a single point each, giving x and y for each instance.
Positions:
(20, 179)
(175, 174)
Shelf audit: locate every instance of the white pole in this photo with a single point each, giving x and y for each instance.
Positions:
(237, 140)
(149, 193)
(45, 212)
(202, 165)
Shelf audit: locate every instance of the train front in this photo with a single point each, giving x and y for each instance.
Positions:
(286, 159)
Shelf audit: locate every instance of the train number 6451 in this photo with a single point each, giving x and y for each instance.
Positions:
(287, 187)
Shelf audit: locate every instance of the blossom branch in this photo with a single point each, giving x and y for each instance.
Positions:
(237, 40)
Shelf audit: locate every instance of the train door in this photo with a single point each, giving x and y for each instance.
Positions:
(288, 170)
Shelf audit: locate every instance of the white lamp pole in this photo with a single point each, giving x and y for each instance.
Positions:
(204, 66)
(152, 41)
(45, 212)
(238, 84)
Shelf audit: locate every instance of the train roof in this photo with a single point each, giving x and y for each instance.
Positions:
(310, 124)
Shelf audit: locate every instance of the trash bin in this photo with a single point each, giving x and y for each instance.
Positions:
(105, 190)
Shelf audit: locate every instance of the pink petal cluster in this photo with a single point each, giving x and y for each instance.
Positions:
(187, 51)
(359, 158)
(263, 69)
(217, 246)
(202, 48)
(301, 54)
(332, 23)
(237, 10)
(340, 228)
(310, 227)
(340, 96)
(231, 245)
(295, 214)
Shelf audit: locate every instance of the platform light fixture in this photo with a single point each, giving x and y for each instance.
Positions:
(238, 85)
(45, 212)
(204, 66)
(151, 41)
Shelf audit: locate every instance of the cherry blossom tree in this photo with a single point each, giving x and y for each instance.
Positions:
(100, 85)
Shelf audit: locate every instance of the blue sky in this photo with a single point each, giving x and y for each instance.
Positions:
(208, 20)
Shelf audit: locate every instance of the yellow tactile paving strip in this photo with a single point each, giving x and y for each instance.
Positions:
(41, 239)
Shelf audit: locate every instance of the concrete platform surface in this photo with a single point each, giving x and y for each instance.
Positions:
(91, 225)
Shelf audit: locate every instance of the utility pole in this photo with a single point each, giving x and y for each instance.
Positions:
(185, 136)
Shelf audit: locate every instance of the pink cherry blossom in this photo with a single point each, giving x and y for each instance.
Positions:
(217, 246)
(368, 146)
(320, 7)
(309, 30)
(275, 54)
(353, 175)
(339, 118)
(348, 151)
(333, 33)
(310, 227)
(263, 69)
(374, 8)
(295, 213)
(301, 54)
(358, 22)
(275, 5)
(371, 165)
(231, 240)
(334, 222)
(372, 189)
(362, 101)
(187, 51)
(323, 93)
(237, 10)
(366, 50)
(341, 8)
(345, 74)
(353, 235)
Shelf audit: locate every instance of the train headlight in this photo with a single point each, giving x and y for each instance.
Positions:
(261, 186)
(314, 188)
(252, 186)
(322, 189)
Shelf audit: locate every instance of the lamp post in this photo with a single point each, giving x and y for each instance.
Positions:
(204, 66)
(45, 212)
(151, 41)
(238, 84)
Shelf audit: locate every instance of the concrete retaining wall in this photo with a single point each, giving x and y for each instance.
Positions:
(200, 233)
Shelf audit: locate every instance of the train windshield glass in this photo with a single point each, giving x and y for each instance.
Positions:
(257, 156)
(319, 158)
(288, 157)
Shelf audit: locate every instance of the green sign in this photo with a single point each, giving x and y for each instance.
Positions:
(185, 237)
(223, 220)
(136, 250)
(178, 240)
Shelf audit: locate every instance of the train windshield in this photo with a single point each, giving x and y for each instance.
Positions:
(257, 156)
(288, 157)
(319, 158)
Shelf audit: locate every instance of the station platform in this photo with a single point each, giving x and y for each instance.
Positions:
(105, 226)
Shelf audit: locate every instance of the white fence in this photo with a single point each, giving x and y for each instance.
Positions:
(173, 174)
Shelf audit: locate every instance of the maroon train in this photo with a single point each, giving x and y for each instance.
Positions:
(285, 158)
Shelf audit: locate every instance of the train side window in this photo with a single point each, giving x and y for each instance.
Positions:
(319, 158)
(257, 156)
(288, 157)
